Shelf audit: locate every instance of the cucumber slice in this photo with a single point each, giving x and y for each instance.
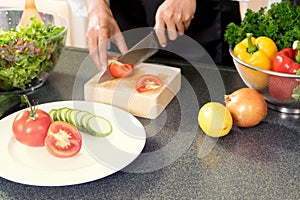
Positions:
(98, 126)
(58, 117)
(62, 113)
(78, 117)
(72, 116)
(84, 121)
(53, 114)
(68, 115)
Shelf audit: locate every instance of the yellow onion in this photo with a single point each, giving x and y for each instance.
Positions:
(247, 107)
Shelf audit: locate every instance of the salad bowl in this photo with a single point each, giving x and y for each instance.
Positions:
(29, 54)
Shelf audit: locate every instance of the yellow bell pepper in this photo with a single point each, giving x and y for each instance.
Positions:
(258, 52)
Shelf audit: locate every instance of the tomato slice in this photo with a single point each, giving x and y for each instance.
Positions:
(31, 130)
(118, 69)
(148, 82)
(63, 140)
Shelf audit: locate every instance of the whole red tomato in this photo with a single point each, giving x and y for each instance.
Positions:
(30, 127)
(63, 140)
(118, 69)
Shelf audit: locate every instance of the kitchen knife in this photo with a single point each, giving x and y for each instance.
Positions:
(136, 55)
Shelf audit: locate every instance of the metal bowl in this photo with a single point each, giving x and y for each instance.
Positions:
(38, 65)
(276, 88)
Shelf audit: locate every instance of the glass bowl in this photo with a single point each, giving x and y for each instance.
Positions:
(25, 64)
(277, 88)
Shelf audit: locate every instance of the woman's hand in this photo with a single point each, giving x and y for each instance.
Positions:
(101, 27)
(175, 16)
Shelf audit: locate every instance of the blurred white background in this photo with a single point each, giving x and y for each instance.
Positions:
(77, 25)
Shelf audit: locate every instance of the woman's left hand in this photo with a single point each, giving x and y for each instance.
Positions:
(175, 16)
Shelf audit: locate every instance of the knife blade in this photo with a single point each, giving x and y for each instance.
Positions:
(140, 52)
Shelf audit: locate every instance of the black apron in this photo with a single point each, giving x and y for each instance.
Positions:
(207, 27)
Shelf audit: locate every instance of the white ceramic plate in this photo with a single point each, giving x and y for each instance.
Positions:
(98, 158)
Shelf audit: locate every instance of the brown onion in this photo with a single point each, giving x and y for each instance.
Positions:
(247, 107)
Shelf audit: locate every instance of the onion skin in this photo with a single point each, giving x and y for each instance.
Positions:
(247, 107)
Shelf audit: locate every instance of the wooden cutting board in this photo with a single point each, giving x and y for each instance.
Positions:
(120, 92)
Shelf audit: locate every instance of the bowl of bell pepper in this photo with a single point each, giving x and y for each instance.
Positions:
(274, 74)
(265, 53)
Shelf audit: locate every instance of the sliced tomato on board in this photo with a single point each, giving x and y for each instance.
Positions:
(118, 69)
(148, 82)
(30, 127)
(63, 140)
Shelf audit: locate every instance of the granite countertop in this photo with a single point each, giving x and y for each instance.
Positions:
(261, 162)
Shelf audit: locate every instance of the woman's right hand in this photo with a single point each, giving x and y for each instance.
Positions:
(101, 27)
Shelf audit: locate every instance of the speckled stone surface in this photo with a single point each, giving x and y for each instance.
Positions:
(178, 160)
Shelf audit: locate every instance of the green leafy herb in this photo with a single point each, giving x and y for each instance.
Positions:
(281, 23)
(28, 53)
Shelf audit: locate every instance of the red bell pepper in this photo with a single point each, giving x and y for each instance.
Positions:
(287, 60)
